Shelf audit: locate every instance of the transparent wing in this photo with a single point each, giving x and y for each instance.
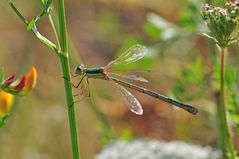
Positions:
(131, 102)
(133, 54)
(132, 77)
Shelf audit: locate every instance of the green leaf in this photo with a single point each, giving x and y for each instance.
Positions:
(237, 75)
(210, 37)
(42, 1)
(232, 41)
(230, 76)
(1, 75)
(179, 89)
(168, 29)
(3, 120)
(31, 24)
(194, 73)
(152, 30)
(186, 20)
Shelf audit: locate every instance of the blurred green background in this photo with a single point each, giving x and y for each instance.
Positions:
(182, 60)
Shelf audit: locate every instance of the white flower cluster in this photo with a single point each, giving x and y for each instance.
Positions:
(152, 149)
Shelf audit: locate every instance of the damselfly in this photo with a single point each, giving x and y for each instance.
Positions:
(133, 54)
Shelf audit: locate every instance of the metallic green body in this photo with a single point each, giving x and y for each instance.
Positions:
(95, 72)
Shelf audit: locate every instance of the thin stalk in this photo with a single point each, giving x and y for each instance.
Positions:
(225, 142)
(64, 58)
(34, 28)
(54, 29)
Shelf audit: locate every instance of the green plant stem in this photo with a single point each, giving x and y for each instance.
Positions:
(64, 58)
(225, 139)
(17, 12)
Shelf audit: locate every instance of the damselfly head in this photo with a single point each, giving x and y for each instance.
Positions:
(80, 69)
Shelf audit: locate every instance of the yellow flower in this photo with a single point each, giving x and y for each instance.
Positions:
(10, 87)
(20, 87)
(31, 79)
(6, 102)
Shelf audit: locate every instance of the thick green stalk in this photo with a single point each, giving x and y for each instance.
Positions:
(225, 139)
(64, 57)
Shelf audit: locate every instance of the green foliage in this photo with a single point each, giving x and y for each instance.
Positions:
(152, 31)
(188, 20)
(232, 89)
(190, 17)
(194, 73)
(179, 89)
(163, 31)
(167, 33)
(126, 134)
(216, 2)
(189, 23)
(167, 29)
(32, 25)
(1, 75)
(3, 120)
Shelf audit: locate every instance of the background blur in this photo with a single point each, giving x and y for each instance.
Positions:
(181, 59)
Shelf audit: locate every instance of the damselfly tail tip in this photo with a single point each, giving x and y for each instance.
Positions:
(193, 110)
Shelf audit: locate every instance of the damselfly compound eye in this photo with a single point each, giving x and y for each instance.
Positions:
(80, 69)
